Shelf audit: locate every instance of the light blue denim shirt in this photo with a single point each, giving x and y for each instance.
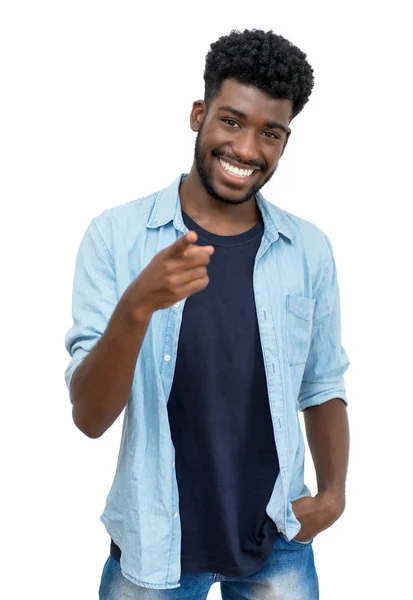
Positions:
(298, 309)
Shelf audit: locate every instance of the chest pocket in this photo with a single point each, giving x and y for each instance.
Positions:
(299, 324)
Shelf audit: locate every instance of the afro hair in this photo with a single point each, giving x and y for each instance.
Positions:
(262, 59)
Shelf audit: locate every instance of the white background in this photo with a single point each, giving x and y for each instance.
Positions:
(94, 113)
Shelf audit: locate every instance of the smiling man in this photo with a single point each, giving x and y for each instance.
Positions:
(212, 316)
(232, 166)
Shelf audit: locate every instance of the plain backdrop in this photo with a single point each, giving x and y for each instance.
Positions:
(94, 112)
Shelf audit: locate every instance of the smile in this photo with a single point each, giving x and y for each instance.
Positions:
(235, 171)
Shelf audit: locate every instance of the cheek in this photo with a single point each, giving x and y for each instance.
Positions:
(214, 138)
(273, 157)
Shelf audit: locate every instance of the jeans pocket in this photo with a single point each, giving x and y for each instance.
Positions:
(302, 543)
(298, 326)
(294, 541)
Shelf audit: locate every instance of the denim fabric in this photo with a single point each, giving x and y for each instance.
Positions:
(298, 311)
(289, 574)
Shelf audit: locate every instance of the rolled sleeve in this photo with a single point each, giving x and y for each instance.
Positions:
(94, 298)
(327, 361)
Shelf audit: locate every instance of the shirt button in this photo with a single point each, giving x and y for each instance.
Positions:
(175, 515)
(167, 357)
(173, 464)
(177, 305)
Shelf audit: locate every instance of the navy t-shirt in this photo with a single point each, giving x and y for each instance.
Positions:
(225, 455)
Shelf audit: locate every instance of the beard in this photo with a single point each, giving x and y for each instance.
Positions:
(206, 176)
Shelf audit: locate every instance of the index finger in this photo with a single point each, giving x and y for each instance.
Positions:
(184, 242)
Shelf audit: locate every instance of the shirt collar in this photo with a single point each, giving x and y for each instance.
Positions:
(167, 207)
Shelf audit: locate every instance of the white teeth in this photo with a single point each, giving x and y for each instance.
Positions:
(235, 171)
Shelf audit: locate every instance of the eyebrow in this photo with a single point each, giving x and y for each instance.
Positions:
(241, 115)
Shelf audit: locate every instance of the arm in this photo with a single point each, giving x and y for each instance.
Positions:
(323, 401)
(101, 385)
(328, 439)
(104, 341)
(107, 334)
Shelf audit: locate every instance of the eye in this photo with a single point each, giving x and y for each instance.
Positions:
(230, 122)
(272, 135)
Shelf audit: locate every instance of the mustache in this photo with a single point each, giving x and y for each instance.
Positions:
(235, 158)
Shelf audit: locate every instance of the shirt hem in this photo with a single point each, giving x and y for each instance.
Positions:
(131, 578)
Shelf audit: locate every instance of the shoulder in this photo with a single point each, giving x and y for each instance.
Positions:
(308, 238)
(310, 253)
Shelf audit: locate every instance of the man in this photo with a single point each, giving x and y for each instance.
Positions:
(212, 316)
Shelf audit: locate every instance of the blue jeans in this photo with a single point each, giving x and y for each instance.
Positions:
(289, 574)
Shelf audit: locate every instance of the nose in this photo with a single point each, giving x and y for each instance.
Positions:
(244, 145)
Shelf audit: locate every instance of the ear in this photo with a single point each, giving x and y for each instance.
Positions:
(198, 113)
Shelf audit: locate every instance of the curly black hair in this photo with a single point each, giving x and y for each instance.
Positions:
(263, 59)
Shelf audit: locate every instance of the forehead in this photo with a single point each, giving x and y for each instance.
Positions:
(253, 102)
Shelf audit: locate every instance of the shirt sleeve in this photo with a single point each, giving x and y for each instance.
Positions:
(94, 298)
(327, 361)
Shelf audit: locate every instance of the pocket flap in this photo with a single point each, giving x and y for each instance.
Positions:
(301, 307)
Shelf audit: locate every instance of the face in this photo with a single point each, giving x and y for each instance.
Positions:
(240, 140)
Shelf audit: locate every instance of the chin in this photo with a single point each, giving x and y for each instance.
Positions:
(235, 197)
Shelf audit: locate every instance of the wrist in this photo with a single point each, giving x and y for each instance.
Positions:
(133, 307)
(334, 500)
(132, 315)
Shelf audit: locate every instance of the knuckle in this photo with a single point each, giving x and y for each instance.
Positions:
(169, 267)
(169, 280)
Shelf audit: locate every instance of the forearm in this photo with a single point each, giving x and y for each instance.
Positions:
(327, 432)
(102, 383)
